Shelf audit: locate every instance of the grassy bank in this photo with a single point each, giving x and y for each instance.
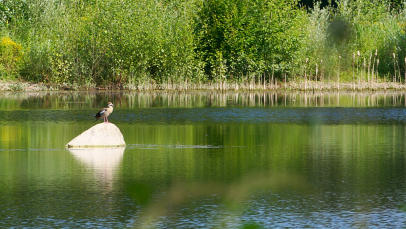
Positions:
(205, 44)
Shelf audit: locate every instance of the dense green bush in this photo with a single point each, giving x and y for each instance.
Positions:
(103, 42)
(11, 55)
(246, 37)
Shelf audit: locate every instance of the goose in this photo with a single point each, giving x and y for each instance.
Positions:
(105, 112)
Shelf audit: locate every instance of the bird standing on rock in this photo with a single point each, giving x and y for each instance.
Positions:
(105, 112)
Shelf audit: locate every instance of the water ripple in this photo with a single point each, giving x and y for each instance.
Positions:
(220, 115)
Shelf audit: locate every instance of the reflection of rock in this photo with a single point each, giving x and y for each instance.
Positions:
(104, 161)
(100, 135)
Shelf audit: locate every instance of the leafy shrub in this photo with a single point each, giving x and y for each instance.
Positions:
(250, 37)
(11, 54)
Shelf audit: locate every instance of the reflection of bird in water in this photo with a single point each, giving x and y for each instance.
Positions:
(105, 112)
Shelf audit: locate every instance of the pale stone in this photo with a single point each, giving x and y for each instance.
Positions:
(100, 135)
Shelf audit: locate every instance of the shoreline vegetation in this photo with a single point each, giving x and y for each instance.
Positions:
(305, 86)
(202, 45)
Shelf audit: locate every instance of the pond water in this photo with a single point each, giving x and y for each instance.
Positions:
(205, 160)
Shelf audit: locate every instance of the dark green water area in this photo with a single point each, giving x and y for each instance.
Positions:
(205, 160)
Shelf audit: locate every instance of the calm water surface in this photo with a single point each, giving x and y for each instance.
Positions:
(205, 160)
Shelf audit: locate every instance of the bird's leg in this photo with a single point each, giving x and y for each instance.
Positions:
(107, 120)
(104, 119)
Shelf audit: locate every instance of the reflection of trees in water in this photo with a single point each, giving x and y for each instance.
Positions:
(230, 199)
(57, 100)
(349, 164)
(343, 165)
(179, 99)
(267, 99)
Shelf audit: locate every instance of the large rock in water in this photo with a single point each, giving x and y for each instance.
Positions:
(100, 135)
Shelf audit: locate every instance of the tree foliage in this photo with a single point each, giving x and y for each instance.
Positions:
(103, 42)
(248, 37)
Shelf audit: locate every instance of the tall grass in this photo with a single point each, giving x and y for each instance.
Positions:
(369, 36)
(196, 42)
(107, 42)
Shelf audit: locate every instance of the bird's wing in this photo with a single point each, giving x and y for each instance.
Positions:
(100, 113)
